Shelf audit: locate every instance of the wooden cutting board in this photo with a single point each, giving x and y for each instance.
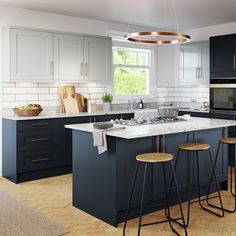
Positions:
(64, 91)
(71, 105)
(80, 100)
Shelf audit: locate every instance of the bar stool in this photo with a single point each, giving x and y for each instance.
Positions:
(154, 158)
(227, 141)
(196, 148)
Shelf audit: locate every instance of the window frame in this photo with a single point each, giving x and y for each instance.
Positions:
(151, 82)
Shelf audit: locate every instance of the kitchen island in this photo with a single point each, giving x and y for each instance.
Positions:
(101, 183)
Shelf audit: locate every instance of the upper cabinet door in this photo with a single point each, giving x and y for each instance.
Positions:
(189, 63)
(68, 57)
(203, 62)
(31, 56)
(97, 59)
(222, 56)
(194, 63)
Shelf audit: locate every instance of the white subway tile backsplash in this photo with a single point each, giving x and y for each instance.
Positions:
(53, 90)
(13, 104)
(96, 90)
(46, 94)
(26, 97)
(14, 90)
(54, 103)
(9, 85)
(9, 97)
(26, 85)
(44, 97)
(37, 90)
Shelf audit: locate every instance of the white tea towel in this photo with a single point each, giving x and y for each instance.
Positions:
(100, 140)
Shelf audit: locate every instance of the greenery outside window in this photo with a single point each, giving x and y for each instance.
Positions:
(132, 67)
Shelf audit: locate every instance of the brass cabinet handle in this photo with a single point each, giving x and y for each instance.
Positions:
(86, 69)
(51, 67)
(40, 139)
(39, 124)
(199, 73)
(40, 159)
(81, 69)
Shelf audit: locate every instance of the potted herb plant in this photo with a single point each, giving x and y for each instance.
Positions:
(107, 99)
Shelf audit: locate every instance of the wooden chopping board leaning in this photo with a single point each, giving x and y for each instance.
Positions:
(71, 102)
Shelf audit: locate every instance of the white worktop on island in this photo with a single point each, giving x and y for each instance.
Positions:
(131, 132)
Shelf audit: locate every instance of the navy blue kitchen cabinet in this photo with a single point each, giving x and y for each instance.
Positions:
(40, 148)
(222, 56)
(66, 137)
(231, 132)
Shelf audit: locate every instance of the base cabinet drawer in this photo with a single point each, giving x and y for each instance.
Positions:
(38, 124)
(38, 160)
(37, 140)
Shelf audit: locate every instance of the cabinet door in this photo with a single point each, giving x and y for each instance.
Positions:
(189, 63)
(203, 62)
(222, 56)
(31, 55)
(66, 138)
(68, 57)
(97, 59)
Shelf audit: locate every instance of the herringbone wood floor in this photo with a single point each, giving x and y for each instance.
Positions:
(52, 198)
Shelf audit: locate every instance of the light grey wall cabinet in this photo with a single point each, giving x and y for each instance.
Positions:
(38, 55)
(97, 59)
(68, 57)
(31, 55)
(194, 63)
(78, 58)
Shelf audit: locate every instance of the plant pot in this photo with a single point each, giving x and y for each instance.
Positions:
(106, 106)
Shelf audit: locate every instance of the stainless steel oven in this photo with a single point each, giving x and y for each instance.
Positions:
(223, 95)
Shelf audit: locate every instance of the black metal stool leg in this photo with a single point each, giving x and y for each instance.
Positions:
(217, 186)
(179, 200)
(231, 187)
(209, 187)
(142, 197)
(171, 183)
(130, 197)
(189, 192)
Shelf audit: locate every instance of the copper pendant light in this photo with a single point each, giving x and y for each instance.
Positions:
(156, 37)
(142, 37)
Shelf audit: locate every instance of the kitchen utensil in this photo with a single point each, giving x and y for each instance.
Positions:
(71, 105)
(64, 91)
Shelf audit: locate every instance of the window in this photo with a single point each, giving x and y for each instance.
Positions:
(132, 68)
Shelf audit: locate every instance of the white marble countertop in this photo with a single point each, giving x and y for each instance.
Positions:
(64, 115)
(131, 132)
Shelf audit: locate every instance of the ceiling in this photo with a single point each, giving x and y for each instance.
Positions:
(153, 13)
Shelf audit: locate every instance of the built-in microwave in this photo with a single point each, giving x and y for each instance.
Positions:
(223, 95)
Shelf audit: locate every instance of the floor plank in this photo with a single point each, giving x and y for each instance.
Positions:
(52, 198)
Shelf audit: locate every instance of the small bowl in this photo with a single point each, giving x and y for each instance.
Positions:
(33, 112)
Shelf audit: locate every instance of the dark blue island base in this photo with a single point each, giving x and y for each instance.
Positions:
(102, 183)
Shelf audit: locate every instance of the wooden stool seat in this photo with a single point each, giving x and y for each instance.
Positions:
(194, 146)
(155, 157)
(228, 140)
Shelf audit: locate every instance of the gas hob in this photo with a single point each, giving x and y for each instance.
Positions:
(145, 121)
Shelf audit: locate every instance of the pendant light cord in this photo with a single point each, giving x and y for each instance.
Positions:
(175, 15)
